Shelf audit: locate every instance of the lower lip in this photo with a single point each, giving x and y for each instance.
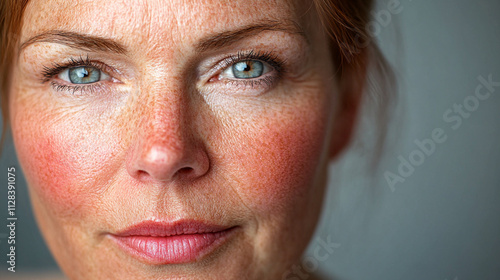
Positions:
(174, 249)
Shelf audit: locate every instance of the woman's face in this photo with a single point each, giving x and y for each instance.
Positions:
(174, 139)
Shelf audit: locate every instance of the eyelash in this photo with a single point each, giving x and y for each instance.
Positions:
(267, 57)
(49, 73)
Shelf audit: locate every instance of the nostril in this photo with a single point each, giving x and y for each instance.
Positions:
(185, 171)
(142, 174)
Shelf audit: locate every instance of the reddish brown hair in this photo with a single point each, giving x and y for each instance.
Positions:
(11, 13)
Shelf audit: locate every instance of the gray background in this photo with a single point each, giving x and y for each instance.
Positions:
(443, 221)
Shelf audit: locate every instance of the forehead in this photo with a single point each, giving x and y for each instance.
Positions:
(146, 21)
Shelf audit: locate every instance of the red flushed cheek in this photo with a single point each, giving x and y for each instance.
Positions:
(287, 164)
(282, 159)
(62, 165)
(53, 176)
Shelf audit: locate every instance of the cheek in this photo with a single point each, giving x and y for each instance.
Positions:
(64, 161)
(281, 158)
(285, 160)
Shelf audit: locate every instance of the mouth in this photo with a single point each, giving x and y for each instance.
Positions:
(172, 243)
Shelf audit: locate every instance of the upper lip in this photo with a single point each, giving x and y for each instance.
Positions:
(165, 229)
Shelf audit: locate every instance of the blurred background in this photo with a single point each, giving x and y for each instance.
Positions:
(431, 209)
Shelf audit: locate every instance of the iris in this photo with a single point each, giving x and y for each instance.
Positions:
(248, 69)
(84, 75)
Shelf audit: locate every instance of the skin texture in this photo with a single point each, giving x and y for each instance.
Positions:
(167, 138)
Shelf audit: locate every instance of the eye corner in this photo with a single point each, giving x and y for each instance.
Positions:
(214, 78)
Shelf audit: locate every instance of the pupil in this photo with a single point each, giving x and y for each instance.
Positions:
(83, 73)
(243, 66)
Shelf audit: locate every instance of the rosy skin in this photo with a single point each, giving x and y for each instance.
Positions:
(168, 137)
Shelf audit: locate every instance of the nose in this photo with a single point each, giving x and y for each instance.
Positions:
(166, 147)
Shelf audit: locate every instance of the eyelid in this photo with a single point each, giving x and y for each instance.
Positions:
(57, 68)
(58, 76)
(268, 58)
(214, 82)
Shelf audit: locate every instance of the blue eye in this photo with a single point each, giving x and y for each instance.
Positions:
(249, 69)
(81, 75)
(246, 69)
(84, 75)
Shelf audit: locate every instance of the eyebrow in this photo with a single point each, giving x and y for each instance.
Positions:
(230, 37)
(93, 43)
(78, 41)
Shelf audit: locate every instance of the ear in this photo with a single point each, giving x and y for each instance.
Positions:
(352, 84)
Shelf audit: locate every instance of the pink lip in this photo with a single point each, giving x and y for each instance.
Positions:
(172, 243)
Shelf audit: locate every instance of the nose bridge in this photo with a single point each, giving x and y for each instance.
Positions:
(165, 113)
(163, 122)
(164, 102)
(163, 92)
